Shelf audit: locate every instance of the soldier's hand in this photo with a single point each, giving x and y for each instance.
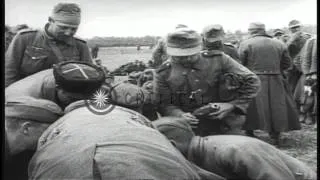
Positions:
(192, 120)
(225, 109)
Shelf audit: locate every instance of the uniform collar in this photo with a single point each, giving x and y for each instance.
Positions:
(70, 41)
(199, 65)
(261, 34)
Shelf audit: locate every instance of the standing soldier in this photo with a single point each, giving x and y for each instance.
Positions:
(213, 37)
(94, 51)
(190, 80)
(271, 110)
(34, 50)
(295, 44)
(280, 35)
(309, 58)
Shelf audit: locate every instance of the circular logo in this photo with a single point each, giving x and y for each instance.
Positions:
(100, 101)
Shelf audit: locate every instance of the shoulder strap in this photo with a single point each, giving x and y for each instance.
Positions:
(56, 52)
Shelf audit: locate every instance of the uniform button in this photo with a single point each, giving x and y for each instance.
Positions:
(197, 80)
(192, 70)
(184, 73)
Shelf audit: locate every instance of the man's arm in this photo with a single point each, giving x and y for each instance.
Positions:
(13, 59)
(285, 63)
(249, 83)
(243, 54)
(84, 50)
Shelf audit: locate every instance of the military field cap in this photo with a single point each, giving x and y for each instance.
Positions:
(183, 42)
(167, 124)
(256, 25)
(278, 32)
(29, 108)
(181, 26)
(213, 33)
(67, 14)
(78, 77)
(294, 23)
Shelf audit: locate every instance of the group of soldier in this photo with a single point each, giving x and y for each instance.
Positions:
(186, 124)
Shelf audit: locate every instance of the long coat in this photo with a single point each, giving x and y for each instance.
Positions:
(241, 157)
(117, 145)
(31, 51)
(273, 108)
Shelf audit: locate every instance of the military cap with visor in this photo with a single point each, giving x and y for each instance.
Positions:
(213, 33)
(78, 77)
(33, 109)
(183, 42)
(294, 24)
(67, 14)
(256, 25)
(278, 32)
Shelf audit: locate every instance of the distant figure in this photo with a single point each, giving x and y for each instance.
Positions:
(94, 51)
(138, 48)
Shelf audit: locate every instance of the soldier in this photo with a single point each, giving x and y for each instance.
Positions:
(273, 109)
(190, 80)
(119, 145)
(34, 50)
(65, 83)
(159, 53)
(104, 69)
(309, 58)
(25, 120)
(213, 39)
(94, 51)
(295, 44)
(233, 157)
(280, 35)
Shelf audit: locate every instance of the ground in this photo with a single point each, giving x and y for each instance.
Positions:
(301, 144)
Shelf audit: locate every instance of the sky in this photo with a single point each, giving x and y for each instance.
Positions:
(158, 17)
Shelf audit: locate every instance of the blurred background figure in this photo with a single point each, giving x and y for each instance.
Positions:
(94, 51)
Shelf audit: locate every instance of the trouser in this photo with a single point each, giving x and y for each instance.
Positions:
(231, 124)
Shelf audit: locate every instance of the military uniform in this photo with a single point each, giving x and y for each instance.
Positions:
(180, 89)
(118, 145)
(233, 157)
(273, 108)
(230, 50)
(31, 51)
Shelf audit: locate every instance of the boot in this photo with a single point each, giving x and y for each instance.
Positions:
(250, 133)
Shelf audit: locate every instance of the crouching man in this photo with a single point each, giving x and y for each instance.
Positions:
(25, 120)
(191, 79)
(118, 145)
(232, 156)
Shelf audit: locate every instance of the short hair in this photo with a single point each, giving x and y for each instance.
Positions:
(15, 122)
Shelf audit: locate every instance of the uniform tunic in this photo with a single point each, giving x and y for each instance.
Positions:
(30, 52)
(273, 108)
(240, 157)
(118, 145)
(180, 89)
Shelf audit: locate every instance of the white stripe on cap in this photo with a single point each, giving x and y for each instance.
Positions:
(77, 67)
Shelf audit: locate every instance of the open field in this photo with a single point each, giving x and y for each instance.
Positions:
(113, 57)
(301, 144)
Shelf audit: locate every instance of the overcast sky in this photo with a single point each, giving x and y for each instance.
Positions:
(158, 17)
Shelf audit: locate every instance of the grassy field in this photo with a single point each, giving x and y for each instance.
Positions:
(113, 57)
(301, 144)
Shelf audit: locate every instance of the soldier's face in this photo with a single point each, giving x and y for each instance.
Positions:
(186, 59)
(295, 29)
(62, 32)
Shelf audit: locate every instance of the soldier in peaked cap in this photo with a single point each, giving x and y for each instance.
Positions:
(34, 50)
(272, 110)
(190, 80)
(227, 155)
(65, 83)
(213, 39)
(25, 120)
